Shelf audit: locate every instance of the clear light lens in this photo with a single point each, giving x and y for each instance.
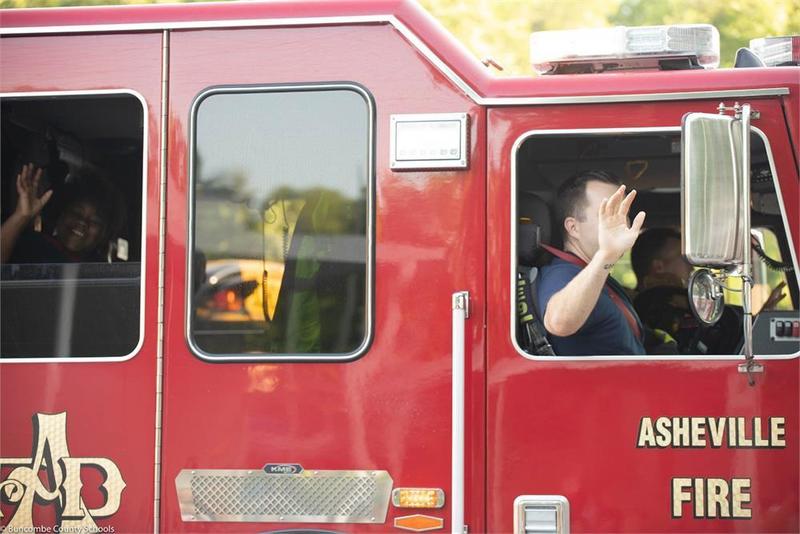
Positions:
(622, 47)
(775, 51)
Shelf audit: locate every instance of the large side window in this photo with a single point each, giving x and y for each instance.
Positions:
(652, 276)
(280, 222)
(72, 181)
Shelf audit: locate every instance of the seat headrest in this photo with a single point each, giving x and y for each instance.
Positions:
(534, 226)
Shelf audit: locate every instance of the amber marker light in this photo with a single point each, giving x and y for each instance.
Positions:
(419, 523)
(418, 498)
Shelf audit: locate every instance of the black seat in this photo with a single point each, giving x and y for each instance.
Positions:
(534, 227)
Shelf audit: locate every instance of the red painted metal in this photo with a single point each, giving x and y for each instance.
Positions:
(390, 409)
(110, 406)
(577, 433)
(533, 427)
(427, 29)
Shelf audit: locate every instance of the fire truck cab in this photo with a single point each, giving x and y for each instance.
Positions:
(268, 267)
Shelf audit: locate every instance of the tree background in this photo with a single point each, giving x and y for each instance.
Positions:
(500, 28)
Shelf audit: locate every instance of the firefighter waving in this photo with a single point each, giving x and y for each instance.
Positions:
(585, 311)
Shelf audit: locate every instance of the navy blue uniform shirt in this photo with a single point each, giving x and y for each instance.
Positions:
(606, 331)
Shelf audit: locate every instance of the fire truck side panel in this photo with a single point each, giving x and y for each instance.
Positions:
(110, 405)
(572, 428)
(390, 408)
(534, 426)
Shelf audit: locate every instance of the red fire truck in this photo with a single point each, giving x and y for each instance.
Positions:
(294, 306)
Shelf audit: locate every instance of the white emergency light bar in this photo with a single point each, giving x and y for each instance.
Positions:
(776, 51)
(646, 47)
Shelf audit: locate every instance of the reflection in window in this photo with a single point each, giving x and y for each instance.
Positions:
(280, 222)
(71, 232)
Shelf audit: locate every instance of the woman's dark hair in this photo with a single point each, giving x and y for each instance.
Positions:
(103, 197)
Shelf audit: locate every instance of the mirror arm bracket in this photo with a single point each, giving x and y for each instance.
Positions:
(737, 111)
(750, 367)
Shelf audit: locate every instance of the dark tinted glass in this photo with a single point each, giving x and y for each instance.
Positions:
(280, 222)
(71, 272)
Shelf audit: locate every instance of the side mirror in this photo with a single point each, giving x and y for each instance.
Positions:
(713, 188)
(705, 297)
(715, 211)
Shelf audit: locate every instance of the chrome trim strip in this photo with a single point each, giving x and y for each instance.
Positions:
(192, 25)
(460, 314)
(437, 62)
(560, 503)
(513, 263)
(416, 42)
(639, 97)
(143, 281)
(162, 245)
(371, 179)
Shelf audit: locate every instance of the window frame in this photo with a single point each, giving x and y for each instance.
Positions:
(370, 224)
(587, 132)
(143, 231)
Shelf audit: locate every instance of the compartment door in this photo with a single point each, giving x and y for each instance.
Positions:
(79, 339)
(580, 428)
(316, 334)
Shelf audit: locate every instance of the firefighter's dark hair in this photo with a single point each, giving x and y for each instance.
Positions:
(648, 247)
(571, 195)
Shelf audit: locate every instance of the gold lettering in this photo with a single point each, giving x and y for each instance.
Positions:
(663, 433)
(717, 491)
(680, 431)
(112, 485)
(777, 431)
(758, 439)
(716, 427)
(679, 496)
(63, 475)
(744, 441)
(73, 504)
(647, 437)
(740, 495)
(698, 432)
(699, 501)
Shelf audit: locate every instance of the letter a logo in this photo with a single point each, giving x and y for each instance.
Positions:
(23, 486)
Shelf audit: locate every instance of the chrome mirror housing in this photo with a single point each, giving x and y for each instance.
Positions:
(712, 190)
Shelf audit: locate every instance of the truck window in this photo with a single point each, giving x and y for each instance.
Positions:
(72, 181)
(650, 162)
(280, 221)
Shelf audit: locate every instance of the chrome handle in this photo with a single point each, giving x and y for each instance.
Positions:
(460, 315)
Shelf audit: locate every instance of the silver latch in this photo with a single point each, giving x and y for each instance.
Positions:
(541, 514)
(461, 302)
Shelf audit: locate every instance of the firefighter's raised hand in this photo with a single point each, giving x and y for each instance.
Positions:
(775, 296)
(29, 203)
(615, 235)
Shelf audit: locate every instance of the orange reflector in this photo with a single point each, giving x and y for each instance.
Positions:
(418, 522)
(418, 498)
